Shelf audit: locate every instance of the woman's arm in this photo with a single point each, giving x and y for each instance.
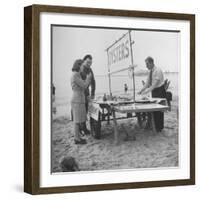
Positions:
(93, 84)
(80, 82)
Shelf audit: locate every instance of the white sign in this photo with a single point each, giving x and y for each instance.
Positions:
(119, 54)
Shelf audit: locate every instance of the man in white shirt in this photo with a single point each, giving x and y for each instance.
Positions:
(155, 85)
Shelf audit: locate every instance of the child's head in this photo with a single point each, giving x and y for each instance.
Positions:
(68, 164)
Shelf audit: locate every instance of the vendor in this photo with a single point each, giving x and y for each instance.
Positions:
(155, 85)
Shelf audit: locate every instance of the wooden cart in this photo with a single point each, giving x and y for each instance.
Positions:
(106, 111)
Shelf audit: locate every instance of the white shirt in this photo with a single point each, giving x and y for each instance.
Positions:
(157, 76)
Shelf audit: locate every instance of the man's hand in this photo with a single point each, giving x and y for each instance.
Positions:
(92, 97)
(140, 92)
(88, 98)
(89, 76)
(146, 91)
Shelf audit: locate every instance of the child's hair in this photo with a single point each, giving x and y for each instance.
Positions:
(68, 164)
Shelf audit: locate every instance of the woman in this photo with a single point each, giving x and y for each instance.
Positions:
(78, 99)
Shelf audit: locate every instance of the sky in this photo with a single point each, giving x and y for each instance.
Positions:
(71, 43)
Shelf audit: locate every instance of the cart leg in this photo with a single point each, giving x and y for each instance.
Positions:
(95, 128)
(139, 120)
(128, 137)
(108, 120)
(153, 123)
(116, 134)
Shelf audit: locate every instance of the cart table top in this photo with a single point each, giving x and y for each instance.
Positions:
(118, 102)
(137, 107)
(148, 105)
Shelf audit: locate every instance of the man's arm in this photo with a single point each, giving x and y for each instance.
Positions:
(93, 84)
(154, 85)
(146, 85)
(157, 77)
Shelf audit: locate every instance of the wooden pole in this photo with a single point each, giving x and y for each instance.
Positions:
(133, 75)
(109, 79)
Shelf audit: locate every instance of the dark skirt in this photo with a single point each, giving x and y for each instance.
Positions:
(159, 92)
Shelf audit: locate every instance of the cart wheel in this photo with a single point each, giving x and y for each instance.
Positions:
(95, 128)
(143, 120)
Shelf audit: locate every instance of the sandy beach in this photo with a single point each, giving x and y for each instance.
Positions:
(149, 150)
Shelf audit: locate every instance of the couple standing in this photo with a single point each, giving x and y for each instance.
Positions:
(82, 78)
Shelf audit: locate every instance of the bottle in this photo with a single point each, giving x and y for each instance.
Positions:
(104, 97)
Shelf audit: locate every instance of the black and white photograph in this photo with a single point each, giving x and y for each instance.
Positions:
(114, 98)
(109, 99)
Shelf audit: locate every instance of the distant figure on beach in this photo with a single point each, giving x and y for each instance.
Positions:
(155, 85)
(53, 92)
(125, 88)
(78, 101)
(53, 98)
(143, 82)
(87, 63)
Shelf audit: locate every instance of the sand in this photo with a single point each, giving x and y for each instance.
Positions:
(149, 150)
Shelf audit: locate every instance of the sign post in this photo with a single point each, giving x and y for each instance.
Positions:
(133, 74)
(109, 78)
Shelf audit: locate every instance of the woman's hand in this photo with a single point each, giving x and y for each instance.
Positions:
(89, 76)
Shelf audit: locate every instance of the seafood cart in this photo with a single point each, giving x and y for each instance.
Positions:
(110, 108)
(101, 111)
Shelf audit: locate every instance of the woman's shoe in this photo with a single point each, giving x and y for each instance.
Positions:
(86, 132)
(83, 128)
(80, 141)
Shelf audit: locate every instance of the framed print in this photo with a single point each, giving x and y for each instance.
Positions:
(109, 99)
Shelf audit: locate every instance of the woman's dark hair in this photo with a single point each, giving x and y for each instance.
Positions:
(87, 56)
(77, 64)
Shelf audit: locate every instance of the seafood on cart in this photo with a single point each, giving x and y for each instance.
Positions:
(113, 110)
